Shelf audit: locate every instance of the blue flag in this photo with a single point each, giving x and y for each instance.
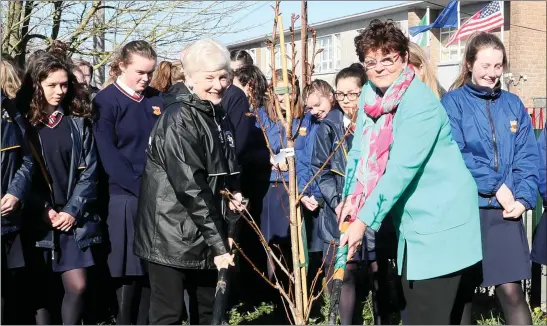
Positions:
(447, 18)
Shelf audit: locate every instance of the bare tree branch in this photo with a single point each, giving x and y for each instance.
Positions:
(169, 25)
(57, 12)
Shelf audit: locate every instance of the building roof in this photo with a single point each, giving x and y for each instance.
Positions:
(337, 21)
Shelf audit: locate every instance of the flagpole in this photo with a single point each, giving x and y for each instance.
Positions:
(459, 42)
(427, 23)
(503, 85)
(427, 45)
(503, 16)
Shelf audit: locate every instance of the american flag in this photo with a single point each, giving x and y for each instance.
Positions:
(486, 19)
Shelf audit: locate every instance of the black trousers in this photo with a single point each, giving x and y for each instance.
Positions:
(440, 300)
(167, 285)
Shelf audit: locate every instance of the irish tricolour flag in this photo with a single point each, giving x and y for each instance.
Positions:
(421, 39)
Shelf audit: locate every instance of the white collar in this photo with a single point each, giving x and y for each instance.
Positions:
(347, 121)
(126, 88)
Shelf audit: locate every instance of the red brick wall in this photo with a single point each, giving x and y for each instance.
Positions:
(527, 48)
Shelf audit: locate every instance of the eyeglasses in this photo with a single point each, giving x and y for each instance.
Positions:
(386, 62)
(351, 96)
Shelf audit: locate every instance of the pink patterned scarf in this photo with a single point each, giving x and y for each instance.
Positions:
(377, 135)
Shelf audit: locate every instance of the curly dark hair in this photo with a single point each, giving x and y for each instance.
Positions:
(383, 36)
(30, 98)
(252, 75)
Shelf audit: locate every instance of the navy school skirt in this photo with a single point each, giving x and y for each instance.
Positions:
(274, 218)
(68, 255)
(539, 248)
(122, 210)
(505, 250)
(12, 251)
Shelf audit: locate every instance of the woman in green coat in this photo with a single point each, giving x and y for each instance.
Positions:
(404, 162)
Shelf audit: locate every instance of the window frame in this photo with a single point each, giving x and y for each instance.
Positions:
(452, 51)
(252, 53)
(334, 51)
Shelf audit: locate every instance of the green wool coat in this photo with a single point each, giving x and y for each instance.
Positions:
(426, 187)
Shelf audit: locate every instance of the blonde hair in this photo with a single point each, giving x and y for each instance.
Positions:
(418, 59)
(177, 73)
(320, 86)
(161, 80)
(476, 42)
(11, 77)
(205, 55)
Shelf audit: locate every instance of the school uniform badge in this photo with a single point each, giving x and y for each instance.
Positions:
(303, 131)
(157, 110)
(514, 126)
(230, 139)
(5, 116)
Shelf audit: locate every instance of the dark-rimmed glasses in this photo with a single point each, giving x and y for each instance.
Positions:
(351, 96)
(386, 62)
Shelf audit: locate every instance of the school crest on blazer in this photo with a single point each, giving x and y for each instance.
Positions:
(303, 131)
(514, 126)
(156, 110)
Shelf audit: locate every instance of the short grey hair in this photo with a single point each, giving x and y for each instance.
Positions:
(205, 55)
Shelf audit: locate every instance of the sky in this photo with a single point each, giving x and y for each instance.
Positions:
(259, 20)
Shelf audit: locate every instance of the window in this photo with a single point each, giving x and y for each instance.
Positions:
(288, 51)
(403, 26)
(329, 59)
(450, 54)
(252, 52)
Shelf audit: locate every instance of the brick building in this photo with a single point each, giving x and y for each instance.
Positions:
(524, 37)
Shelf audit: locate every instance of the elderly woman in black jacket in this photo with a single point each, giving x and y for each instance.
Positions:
(184, 227)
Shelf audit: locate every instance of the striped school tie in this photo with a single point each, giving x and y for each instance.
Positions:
(53, 120)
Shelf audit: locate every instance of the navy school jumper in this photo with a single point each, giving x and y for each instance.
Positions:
(122, 128)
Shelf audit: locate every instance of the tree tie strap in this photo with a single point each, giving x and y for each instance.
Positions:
(282, 90)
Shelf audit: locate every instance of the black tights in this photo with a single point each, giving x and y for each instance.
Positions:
(74, 284)
(513, 303)
(14, 304)
(346, 306)
(133, 294)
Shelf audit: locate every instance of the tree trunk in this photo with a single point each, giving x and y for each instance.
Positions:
(13, 36)
(302, 258)
(24, 38)
(299, 312)
(57, 12)
(98, 47)
(304, 43)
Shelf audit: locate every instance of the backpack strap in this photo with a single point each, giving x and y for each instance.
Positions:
(38, 160)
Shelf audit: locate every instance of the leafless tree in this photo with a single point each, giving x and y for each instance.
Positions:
(166, 24)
